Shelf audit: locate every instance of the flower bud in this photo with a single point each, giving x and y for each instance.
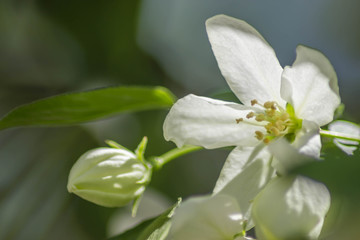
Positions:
(109, 177)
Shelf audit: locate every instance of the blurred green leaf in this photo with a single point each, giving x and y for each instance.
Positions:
(153, 229)
(225, 95)
(87, 106)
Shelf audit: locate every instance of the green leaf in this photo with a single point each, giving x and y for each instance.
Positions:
(87, 106)
(153, 229)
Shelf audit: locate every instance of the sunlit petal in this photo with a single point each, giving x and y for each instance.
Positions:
(245, 173)
(210, 123)
(206, 218)
(308, 141)
(310, 85)
(287, 157)
(246, 60)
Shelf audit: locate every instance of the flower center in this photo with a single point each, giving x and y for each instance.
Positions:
(276, 120)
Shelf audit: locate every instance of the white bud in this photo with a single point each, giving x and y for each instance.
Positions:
(108, 177)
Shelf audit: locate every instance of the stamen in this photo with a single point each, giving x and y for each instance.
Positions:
(259, 135)
(260, 117)
(253, 102)
(250, 115)
(270, 104)
(285, 116)
(270, 112)
(239, 120)
(275, 119)
(275, 131)
(268, 127)
(280, 125)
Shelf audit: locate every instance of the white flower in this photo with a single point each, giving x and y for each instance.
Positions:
(289, 103)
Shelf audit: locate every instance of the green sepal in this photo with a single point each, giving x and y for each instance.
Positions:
(290, 110)
(140, 150)
(114, 144)
(147, 177)
(339, 111)
(135, 206)
(290, 137)
(297, 123)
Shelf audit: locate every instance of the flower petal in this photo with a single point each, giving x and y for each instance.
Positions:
(308, 140)
(245, 172)
(246, 60)
(291, 208)
(347, 128)
(209, 123)
(287, 157)
(311, 87)
(206, 218)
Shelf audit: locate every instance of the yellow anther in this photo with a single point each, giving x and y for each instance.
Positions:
(259, 135)
(270, 112)
(275, 131)
(270, 104)
(260, 117)
(280, 125)
(268, 126)
(274, 118)
(239, 120)
(250, 115)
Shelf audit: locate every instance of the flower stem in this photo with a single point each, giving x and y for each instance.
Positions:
(332, 134)
(160, 161)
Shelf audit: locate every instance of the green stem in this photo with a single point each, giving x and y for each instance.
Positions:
(332, 134)
(160, 161)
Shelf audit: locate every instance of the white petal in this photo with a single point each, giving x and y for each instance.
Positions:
(308, 141)
(287, 157)
(209, 123)
(291, 208)
(310, 85)
(206, 218)
(246, 171)
(245, 59)
(347, 128)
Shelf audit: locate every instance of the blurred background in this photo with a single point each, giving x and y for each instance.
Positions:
(53, 47)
